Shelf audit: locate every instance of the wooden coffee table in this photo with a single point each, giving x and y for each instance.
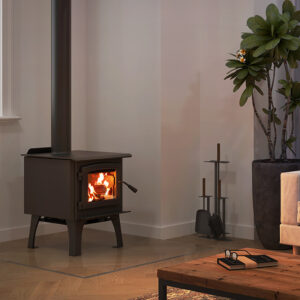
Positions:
(204, 275)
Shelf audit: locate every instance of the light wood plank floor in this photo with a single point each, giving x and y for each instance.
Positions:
(102, 272)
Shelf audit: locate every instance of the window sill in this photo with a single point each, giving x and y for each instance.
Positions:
(9, 118)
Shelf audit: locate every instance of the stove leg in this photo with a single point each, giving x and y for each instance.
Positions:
(117, 226)
(75, 233)
(33, 227)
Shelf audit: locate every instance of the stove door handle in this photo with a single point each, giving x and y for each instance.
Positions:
(132, 188)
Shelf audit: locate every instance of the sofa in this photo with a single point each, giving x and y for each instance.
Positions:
(289, 217)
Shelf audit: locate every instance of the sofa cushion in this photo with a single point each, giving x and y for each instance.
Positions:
(290, 195)
(290, 235)
(298, 214)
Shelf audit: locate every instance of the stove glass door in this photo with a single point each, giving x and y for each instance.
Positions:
(102, 186)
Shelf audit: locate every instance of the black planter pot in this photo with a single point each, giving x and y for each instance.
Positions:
(266, 199)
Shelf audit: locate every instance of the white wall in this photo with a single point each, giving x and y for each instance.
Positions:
(200, 110)
(31, 93)
(147, 79)
(124, 112)
(32, 101)
(180, 121)
(159, 67)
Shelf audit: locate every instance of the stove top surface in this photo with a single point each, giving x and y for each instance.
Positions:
(79, 155)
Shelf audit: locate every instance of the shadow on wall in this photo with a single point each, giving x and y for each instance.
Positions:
(181, 149)
(11, 175)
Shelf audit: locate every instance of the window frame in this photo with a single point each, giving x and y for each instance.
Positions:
(6, 62)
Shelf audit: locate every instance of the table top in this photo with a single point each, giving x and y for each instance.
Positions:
(281, 282)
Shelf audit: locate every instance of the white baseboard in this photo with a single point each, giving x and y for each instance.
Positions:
(241, 231)
(21, 232)
(152, 231)
(173, 230)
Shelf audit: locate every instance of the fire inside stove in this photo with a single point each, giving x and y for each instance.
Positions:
(101, 186)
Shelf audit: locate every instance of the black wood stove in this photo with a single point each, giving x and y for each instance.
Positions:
(64, 186)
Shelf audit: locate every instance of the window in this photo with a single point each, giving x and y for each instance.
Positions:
(6, 70)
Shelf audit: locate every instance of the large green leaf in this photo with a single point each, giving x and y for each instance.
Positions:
(254, 41)
(242, 74)
(236, 81)
(293, 24)
(251, 23)
(254, 68)
(252, 73)
(296, 43)
(266, 111)
(281, 91)
(276, 120)
(245, 35)
(296, 15)
(283, 82)
(246, 94)
(259, 89)
(231, 70)
(287, 37)
(296, 31)
(272, 29)
(273, 15)
(292, 61)
(238, 85)
(287, 6)
(261, 22)
(289, 143)
(296, 90)
(259, 51)
(233, 63)
(282, 51)
(296, 54)
(272, 44)
(282, 29)
(232, 75)
(285, 17)
(292, 44)
(287, 91)
(257, 61)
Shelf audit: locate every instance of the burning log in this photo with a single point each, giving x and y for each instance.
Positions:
(100, 189)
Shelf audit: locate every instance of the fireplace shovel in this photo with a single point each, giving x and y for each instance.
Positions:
(202, 218)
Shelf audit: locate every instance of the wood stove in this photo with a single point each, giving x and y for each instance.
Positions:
(75, 188)
(64, 186)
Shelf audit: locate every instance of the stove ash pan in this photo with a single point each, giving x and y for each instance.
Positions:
(76, 188)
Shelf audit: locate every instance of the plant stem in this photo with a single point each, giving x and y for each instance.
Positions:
(274, 73)
(292, 130)
(271, 154)
(273, 109)
(286, 115)
(293, 126)
(275, 132)
(270, 145)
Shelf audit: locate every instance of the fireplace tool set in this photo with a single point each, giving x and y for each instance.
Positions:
(207, 224)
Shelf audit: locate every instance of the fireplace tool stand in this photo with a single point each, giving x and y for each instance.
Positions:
(217, 221)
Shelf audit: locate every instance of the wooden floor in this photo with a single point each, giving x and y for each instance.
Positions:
(102, 272)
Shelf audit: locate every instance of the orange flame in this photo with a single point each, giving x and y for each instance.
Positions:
(101, 186)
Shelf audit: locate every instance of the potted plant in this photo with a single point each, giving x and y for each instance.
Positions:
(272, 44)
